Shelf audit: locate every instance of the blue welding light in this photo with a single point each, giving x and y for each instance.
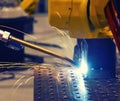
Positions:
(83, 62)
(83, 67)
(81, 56)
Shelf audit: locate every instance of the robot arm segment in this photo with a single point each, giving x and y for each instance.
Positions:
(77, 16)
(29, 5)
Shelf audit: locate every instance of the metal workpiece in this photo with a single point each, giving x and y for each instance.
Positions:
(57, 83)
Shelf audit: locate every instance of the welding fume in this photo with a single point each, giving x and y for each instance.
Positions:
(91, 23)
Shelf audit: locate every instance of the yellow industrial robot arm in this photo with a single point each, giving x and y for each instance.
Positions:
(29, 5)
(83, 18)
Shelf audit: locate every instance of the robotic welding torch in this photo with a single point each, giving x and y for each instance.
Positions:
(5, 36)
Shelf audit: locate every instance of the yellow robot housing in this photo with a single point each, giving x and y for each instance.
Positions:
(82, 18)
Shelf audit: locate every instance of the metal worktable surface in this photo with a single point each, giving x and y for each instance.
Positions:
(53, 82)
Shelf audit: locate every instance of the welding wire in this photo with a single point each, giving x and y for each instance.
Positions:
(36, 47)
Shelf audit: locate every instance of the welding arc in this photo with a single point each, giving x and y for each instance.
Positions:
(36, 47)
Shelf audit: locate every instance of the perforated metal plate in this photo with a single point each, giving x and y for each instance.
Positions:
(54, 83)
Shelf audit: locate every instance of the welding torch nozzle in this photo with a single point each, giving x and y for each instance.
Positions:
(5, 36)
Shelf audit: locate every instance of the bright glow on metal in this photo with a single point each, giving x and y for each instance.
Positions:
(83, 67)
(83, 63)
(82, 89)
(81, 85)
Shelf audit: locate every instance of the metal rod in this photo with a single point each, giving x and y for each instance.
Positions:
(36, 47)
